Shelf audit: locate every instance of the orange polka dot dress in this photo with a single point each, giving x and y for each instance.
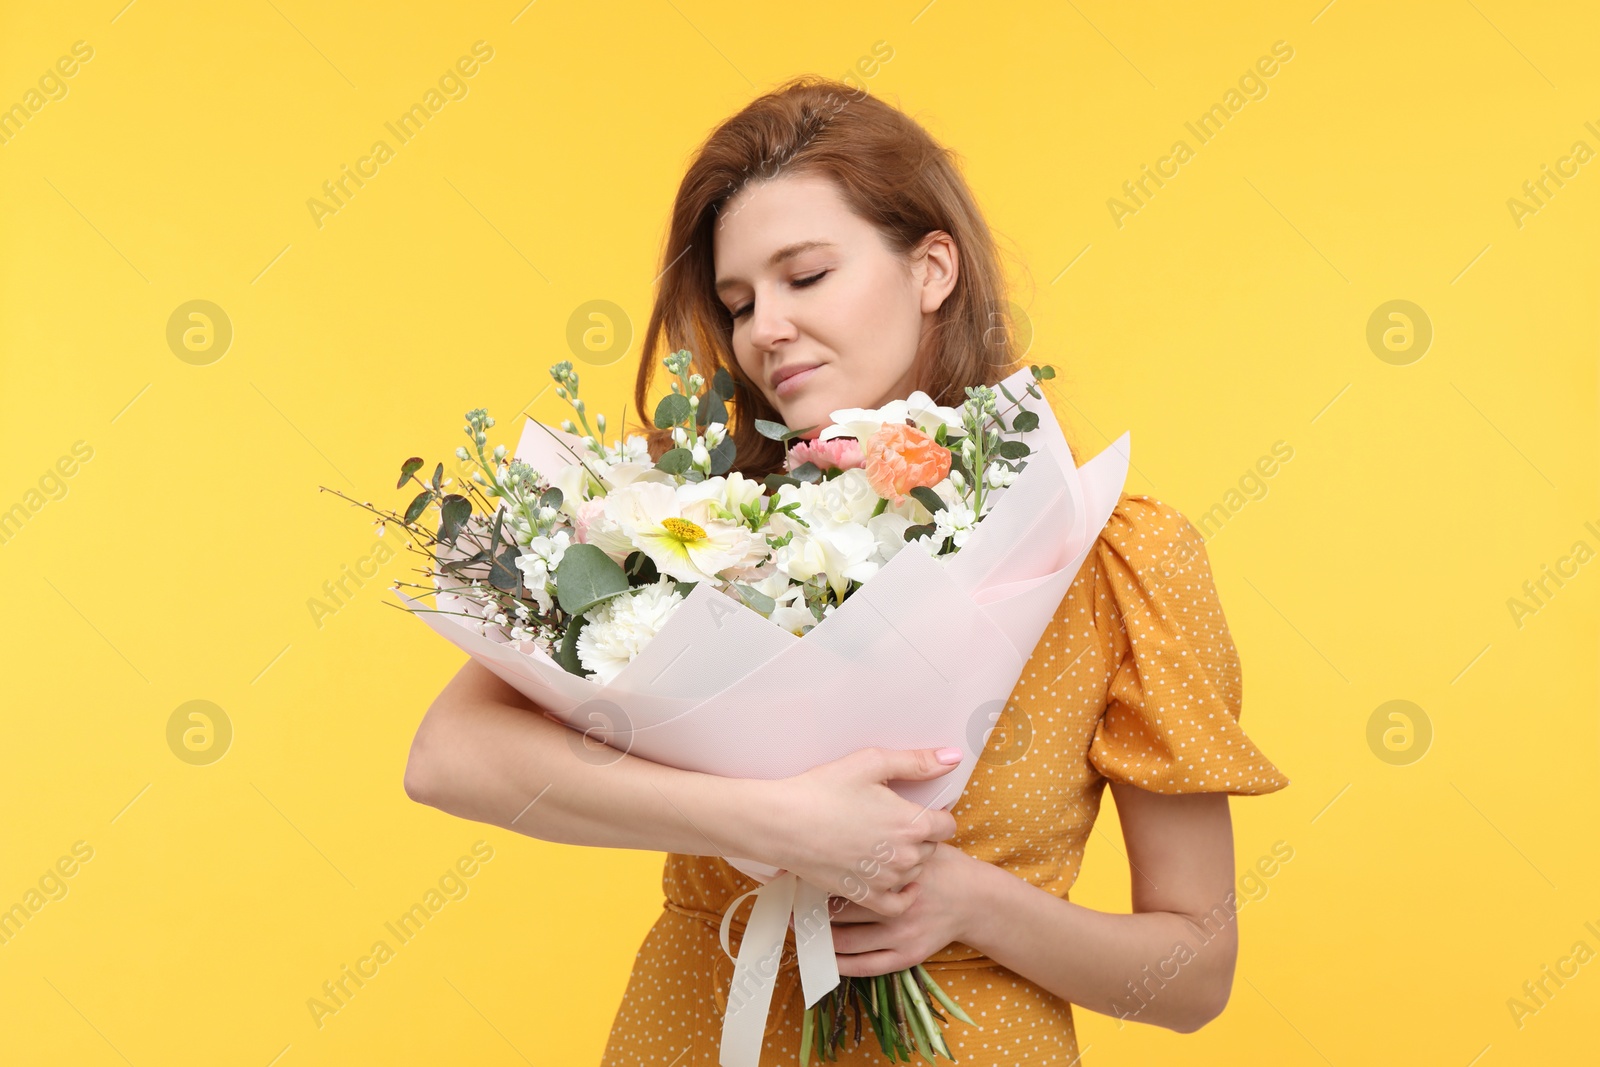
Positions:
(1135, 680)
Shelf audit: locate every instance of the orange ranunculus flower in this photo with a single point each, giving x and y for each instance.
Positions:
(898, 458)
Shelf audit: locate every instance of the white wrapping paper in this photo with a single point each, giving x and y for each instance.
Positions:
(925, 654)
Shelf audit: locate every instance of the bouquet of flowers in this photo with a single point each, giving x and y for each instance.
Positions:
(656, 604)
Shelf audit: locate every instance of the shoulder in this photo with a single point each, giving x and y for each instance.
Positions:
(1151, 570)
(1149, 537)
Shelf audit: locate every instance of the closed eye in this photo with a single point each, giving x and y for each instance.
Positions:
(799, 283)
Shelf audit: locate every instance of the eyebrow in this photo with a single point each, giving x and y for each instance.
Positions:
(786, 252)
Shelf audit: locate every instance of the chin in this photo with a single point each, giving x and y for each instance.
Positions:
(814, 413)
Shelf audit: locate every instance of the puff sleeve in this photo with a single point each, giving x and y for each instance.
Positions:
(1171, 722)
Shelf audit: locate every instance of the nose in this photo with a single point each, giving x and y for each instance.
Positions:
(770, 324)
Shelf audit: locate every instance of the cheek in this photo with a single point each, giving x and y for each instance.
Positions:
(749, 362)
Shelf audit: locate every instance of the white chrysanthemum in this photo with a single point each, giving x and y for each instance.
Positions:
(862, 423)
(618, 629)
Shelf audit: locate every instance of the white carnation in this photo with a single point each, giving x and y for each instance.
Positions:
(618, 630)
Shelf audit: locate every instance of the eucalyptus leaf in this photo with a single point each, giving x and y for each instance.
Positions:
(722, 456)
(928, 498)
(807, 472)
(756, 598)
(418, 505)
(567, 654)
(675, 460)
(551, 498)
(1025, 421)
(586, 577)
(496, 530)
(1013, 450)
(438, 478)
(711, 409)
(453, 566)
(407, 469)
(640, 569)
(453, 513)
(722, 383)
(914, 532)
(504, 574)
(773, 481)
(776, 431)
(673, 410)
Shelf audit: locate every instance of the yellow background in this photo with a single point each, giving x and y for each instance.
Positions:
(1229, 313)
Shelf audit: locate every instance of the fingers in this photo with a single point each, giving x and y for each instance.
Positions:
(914, 764)
(892, 903)
(910, 876)
(941, 825)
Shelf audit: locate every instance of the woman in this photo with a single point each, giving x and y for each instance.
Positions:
(826, 252)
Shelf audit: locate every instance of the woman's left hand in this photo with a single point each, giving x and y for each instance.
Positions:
(945, 893)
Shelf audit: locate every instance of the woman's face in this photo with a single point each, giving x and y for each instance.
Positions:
(811, 286)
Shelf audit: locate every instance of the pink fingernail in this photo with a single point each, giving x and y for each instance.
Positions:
(948, 755)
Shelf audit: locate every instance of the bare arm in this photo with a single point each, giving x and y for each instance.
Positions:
(1171, 962)
(484, 752)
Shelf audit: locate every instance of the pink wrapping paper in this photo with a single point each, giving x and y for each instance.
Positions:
(925, 654)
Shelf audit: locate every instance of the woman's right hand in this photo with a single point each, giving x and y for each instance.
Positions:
(844, 829)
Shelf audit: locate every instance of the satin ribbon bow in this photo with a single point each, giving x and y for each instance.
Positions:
(755, 969)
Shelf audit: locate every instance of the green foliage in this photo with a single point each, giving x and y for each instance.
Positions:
(711, 409)
(453, 514)
(774, 431)
(755, 598)
(672, 411)
(586, 577)
(722, 456)
(503, 572)
(928, 498)
(640, 569)
(418, 505)
(567, 653)
(675, 460)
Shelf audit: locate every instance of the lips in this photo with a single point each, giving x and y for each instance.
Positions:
(791, 371)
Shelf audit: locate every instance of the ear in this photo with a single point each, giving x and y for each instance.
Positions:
(935, 267)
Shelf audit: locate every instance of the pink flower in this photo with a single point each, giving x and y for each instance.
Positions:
(899, 458)
(838, 453)
(587, 512)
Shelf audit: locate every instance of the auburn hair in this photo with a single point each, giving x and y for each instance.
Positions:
(890, 172)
